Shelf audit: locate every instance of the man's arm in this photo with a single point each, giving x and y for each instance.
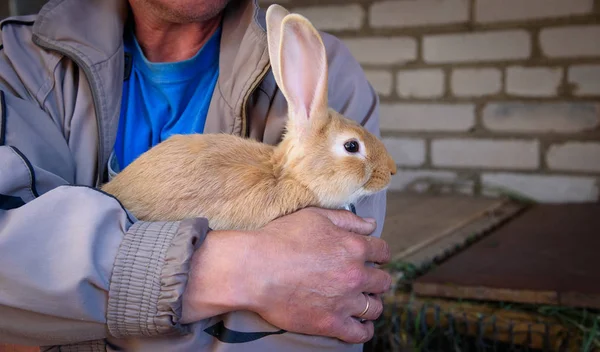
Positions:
(74, 265)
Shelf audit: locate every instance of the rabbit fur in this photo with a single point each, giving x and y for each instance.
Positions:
(239, 183)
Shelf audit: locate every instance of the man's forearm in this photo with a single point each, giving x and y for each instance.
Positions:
(304, 273)
(218, 280)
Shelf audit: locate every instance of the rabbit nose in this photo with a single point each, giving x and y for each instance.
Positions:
(392, 166)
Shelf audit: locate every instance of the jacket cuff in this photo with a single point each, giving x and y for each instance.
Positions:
(150, 276)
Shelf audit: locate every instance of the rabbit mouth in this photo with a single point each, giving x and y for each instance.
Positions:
(377, 182)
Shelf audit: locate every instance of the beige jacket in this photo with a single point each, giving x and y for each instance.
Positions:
(76, 270)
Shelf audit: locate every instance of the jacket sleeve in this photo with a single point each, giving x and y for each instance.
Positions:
(351, 94)
(74, 264)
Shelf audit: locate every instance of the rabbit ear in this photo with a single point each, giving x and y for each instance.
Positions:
(302, 64)
(275, 15)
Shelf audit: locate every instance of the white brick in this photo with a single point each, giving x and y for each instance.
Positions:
(585, 78)
(422, 180)
(533, 81)
(482, 46)
(559, 117)
(413, 117)
(380, 80)
(573, 41)
(480, 153)
(546, 189)
(574, 156)
(418, 13)
(333, 17)
(382, 50)
(476, 82)
(406, 151)
(423, 83)
(488, 11)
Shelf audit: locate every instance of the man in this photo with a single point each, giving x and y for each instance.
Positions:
(85, 87)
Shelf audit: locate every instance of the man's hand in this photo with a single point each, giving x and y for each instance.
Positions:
(316, 274)
(305, 272)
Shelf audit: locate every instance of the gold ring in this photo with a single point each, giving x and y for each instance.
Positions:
(366, 308)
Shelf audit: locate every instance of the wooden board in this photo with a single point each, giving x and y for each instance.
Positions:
(550, 254)
(419, 227)
(17, 348)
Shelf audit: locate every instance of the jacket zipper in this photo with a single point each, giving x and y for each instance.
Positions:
(245, 126)
(90, 77)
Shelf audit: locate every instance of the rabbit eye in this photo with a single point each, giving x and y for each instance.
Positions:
(351, 146)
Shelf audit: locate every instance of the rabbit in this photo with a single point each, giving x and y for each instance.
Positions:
(324, 159)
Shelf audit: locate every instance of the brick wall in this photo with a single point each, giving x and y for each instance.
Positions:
(481, 94)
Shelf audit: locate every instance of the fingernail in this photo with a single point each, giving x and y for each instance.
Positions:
(370, 220)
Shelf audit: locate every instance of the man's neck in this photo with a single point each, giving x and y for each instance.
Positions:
(170, 42)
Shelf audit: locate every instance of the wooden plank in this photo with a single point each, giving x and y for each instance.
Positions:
(4, 347)
(416, 222)
(547, 255)
(477, 226)
(486, 293)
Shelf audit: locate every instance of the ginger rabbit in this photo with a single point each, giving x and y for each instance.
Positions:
(324, 158)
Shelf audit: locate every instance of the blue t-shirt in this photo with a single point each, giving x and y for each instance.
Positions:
(162, 99)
